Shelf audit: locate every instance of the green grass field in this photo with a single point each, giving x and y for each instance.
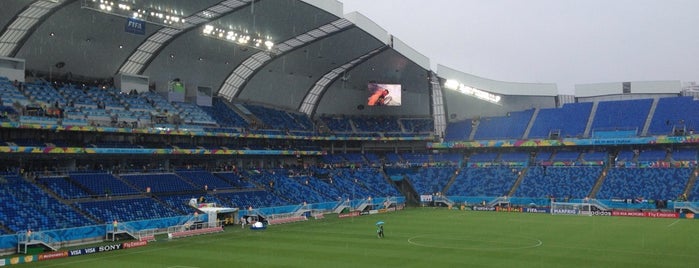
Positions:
(425, 237)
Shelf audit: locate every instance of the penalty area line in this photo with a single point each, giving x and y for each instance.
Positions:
(673, 223)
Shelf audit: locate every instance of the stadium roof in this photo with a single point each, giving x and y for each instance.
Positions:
(315, 47)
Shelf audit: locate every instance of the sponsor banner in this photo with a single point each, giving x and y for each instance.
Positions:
(383, 210)
(91, 250)
(596, 213)
(82, 251)
(627, 213)
(645, 214)
(425, 198)
(18, 260)
(508, 209)
(536, 210)
(661, 214)
(479, 208)
(2, 262)
(135, 244)
(391, 209)
(364, 213)
(400, 207)
(373, 211)
(350, 214)
(565, 211)
(109, 248)
(599, 213)
(53, 255)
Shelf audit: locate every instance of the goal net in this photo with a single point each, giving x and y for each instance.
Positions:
(563, 208)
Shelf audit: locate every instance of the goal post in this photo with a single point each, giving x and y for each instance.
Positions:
(565, 208)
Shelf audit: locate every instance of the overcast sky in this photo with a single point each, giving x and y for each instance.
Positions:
(566, 42)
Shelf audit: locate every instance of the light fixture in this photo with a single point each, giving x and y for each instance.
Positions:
(239, 37)
(471, 91)
(168, 17)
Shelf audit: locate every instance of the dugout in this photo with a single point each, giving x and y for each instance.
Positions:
(226, 216)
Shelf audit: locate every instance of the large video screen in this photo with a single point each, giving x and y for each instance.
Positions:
(384, 94)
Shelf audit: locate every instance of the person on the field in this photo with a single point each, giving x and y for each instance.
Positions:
(379, 231)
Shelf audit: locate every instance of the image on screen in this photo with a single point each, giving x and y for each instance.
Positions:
(384, 94)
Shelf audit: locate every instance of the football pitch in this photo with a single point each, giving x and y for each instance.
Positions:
(424, 237)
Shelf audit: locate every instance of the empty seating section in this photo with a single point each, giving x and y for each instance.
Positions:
(595, 156)
(351, 186)
(340, 158)
(417, 125)
(693, 195)
(324, 188)
(25, 206)
(432, 179)
(373, 159)
(280, 184)
(451, 158)
(393, 158)
(625, 156)
(235, 180)
(76, 96)
(514, 157)
(160, 103)
(674, 112)
(159, 183)
(482, 157)
(127, 209)
(355, 158)
(107, 98)
(652, 155)
(416, 158)
(254, 199)
(102, 183)
(29, 206)
(684, 155)
(43, 92)
(333, 159)
(224, 115)
(490, 181)
(566, 156)
(10, 93)
(649, 183)
(373, 179)
(63, 187)
(459, 130)
(192, 114)
(570, 120)
(543, 157)
(278, 119)
(621, 115)
(204, 179)
(511, 126)
(376, 123)
(302, 120)
(558, 182)
(135, 103)
(348, 181)
(337, 124)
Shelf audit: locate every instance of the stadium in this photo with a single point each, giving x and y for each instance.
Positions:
(283, 133)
